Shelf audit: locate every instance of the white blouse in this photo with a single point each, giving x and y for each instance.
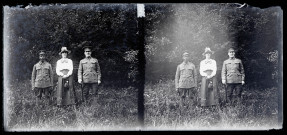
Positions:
(209, 64)
(64, 63)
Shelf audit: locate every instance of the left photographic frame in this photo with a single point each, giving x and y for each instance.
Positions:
(102, 47)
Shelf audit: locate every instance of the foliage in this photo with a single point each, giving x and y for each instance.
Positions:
(109, 28)
(174, 28)
(116, 109)
(259, 110)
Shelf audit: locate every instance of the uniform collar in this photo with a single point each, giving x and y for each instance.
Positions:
(232, 58)
(90, 57)
(183, 63)
(40, 62)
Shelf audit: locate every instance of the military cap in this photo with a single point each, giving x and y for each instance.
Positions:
(86, 44)
(42, 52)
(231, 49)
(185, 54)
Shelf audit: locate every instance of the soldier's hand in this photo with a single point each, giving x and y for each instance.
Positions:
(99, 82)
(243, 82)
(80, 81)
(33, 88)
(176, 89)
(224, 81)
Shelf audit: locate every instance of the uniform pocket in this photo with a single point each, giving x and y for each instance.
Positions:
(93, 65)
(239, 76)
(46, 70)
(229, 65)
(236, 65)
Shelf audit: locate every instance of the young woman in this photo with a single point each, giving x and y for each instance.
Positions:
(65, 93)
(208, 93)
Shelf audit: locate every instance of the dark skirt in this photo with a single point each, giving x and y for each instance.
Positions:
(66, 95)
(209, 96)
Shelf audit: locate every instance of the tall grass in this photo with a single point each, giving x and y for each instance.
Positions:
(116, 109)
(162, 111)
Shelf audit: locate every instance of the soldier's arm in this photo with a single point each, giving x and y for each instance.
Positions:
(99, 71)
(223, 72)
(33, 77)
(177, 73)
(80, 71)
(195, 75)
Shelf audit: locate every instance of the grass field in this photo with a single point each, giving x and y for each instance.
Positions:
(259, 111)
(116, 109)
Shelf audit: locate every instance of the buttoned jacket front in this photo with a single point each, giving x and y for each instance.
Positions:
(89, 70)
(186, 76)
(233, 71)
(42, 75)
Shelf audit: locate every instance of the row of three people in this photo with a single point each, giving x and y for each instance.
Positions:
(232, 75)
(89, 75)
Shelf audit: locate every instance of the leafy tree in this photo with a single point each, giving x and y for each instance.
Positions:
(109, 28)
(175, 28)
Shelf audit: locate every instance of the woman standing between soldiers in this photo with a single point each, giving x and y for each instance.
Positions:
(208, 91)
(65, 93)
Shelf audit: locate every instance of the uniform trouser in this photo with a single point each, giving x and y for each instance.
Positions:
(43, 92)
(187, 93)
(86, 89)
(234, 89)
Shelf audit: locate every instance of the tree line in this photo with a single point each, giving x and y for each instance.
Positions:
(172, 29)
(109, 28)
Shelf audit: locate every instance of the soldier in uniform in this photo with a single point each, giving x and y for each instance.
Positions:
(186, 79)
(42, 78)
(233, 76)
(89, 74)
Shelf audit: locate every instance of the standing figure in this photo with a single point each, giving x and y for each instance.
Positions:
(42, 78)
(186, 79)
(233, 76)
(66, 94)
(208, 92)
(89, 75)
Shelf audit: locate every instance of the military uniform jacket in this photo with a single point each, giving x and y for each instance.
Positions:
(186, 76)
(42, 75)
(232, 71)
(89, 70)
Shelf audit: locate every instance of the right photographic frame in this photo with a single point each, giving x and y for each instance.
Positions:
(212, 66)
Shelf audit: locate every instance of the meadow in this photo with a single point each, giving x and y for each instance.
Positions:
(258, 111)
(116, 109)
